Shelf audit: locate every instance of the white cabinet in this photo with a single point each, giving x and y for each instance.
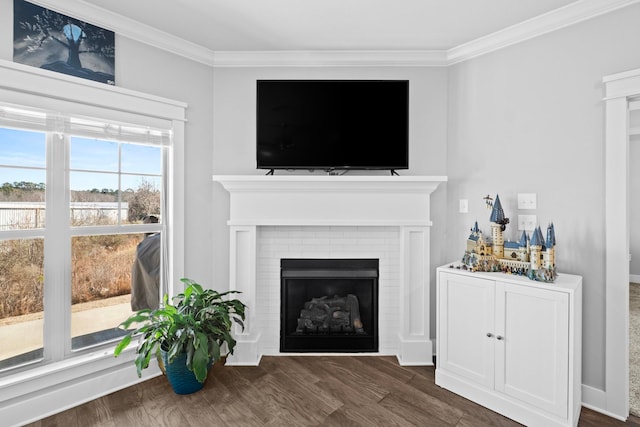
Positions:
(511, 344)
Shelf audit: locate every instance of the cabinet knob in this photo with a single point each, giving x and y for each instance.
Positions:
(489, 334)
(499, 338)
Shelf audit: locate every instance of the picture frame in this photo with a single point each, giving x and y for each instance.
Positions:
(52, 41)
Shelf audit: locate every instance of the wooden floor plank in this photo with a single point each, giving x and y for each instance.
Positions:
(345, 370)
(207, 408)
(294, 400)
(483, 415)
(63, 419)
(370, 415)
(98, 411)
(299, 391)
(293, 366)
(416, 415)
(240, 400)
(404, 395)
(158, 402)
(389, 366)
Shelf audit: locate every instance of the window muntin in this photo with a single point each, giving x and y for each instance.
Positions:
(119, 182)
(94, 199)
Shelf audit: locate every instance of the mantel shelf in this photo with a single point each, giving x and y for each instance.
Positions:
(336, 182)
(329, 200)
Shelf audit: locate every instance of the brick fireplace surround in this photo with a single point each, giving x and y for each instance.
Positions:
(314, 216)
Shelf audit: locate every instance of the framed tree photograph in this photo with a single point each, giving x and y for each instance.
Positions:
(49, 40)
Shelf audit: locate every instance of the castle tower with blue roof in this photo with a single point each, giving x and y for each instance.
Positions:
(532, 256)
(497, 227)
(549, 256)
(537, 246)
(523, 246)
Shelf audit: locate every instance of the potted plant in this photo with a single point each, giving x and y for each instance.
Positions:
(187, 334)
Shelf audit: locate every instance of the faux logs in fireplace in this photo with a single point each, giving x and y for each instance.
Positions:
(329, 305)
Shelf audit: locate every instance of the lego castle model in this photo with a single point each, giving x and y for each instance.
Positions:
(533, 256)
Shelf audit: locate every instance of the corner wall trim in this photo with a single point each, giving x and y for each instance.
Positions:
(557, 19)
(331, 58)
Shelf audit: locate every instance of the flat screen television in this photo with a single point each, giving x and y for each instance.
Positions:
(332, 124)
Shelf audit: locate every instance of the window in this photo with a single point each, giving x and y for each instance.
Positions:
(77, 195)
(59, 107)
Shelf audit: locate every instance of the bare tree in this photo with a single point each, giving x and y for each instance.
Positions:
(145, 200)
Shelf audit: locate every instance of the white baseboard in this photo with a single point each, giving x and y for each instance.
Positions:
(634, 278)
(504, 404)
(415, 352)
(596, 400)
(593, 398)
(247, 351)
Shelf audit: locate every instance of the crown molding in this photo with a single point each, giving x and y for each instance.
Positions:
(570, 14)
(331, 58)
(126, 27)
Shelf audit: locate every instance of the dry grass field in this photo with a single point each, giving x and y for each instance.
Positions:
(101, 268)
(100, 265)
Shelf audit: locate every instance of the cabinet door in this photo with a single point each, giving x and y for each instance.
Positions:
(465, 319)
(532, 346)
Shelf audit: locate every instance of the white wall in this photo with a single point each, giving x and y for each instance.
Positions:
(530, 118)
(235, 128)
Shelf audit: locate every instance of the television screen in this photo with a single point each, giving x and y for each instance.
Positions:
(332, 124)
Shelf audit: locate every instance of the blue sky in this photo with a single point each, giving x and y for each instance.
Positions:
(26, 150)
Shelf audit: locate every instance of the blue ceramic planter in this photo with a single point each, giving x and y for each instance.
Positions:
(182, 380)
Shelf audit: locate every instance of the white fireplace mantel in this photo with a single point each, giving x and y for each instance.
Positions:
(329, 200)
(366, 203)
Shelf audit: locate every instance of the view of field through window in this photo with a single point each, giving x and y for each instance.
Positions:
(113, 184)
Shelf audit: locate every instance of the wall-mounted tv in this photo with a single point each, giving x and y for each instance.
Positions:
(332, 124)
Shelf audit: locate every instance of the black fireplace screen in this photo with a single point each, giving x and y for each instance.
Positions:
(329, 305)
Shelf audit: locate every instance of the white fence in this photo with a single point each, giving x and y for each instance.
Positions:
(27, 215)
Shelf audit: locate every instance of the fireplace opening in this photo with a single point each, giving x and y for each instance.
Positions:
(329, 305)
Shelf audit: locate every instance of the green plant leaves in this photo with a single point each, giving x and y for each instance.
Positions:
(124, 343)
(197, 322)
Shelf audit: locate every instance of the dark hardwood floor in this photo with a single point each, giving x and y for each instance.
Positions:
(299, 391)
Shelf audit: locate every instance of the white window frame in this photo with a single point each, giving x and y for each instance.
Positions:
(71, 379)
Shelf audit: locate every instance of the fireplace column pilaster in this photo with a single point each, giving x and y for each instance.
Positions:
(415, 346)
(242, 277)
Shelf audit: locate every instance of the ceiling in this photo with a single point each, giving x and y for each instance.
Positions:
(332, 25)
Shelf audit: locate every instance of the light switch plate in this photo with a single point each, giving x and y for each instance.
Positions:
(527, 222)
(527, 200)
(464, 206)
